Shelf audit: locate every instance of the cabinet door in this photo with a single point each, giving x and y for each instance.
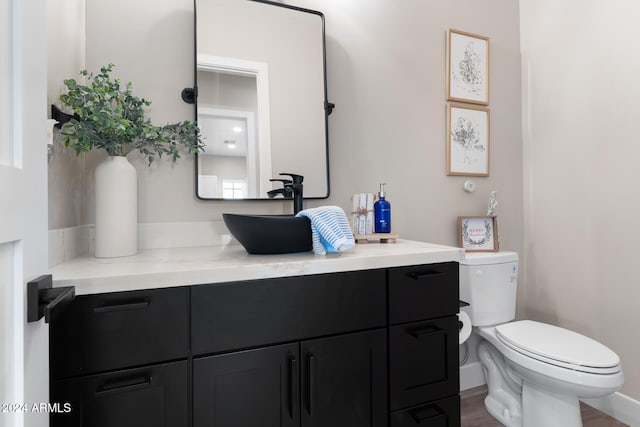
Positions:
(253, 388)
(344, 381)
(141, 397)
(423, 361)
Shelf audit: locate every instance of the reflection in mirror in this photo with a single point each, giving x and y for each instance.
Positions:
(261, 98)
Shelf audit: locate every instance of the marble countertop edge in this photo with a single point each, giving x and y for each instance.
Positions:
(171, 267)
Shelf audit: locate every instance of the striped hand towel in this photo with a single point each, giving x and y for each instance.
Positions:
(330, 229)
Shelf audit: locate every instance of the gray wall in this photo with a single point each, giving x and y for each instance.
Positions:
(386, 76)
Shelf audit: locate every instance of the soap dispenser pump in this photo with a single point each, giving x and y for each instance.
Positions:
(382, 213)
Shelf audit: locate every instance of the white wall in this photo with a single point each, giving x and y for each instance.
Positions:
(580, 92)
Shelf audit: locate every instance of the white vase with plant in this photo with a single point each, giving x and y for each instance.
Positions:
(109, 118)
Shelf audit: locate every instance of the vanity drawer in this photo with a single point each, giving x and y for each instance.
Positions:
(423, 361)
(439, 413)
(423, 292)
(111, 331)
(259, 312)
(141, 397)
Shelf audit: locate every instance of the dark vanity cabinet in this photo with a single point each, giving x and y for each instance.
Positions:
(369, 348)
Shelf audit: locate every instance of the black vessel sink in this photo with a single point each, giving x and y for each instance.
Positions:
(270, 234)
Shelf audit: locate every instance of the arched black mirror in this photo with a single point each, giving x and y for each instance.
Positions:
(261, 98)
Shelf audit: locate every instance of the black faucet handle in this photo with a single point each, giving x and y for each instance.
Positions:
(297, 179)
(283, 181)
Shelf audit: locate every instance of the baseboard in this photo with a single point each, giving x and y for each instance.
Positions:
(618, 406)
(471, 375)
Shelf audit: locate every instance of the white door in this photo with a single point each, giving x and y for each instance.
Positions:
(24, 366)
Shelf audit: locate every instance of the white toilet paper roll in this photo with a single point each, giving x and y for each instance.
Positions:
(465, 329)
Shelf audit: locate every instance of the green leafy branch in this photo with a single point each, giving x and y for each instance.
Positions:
(110, 118)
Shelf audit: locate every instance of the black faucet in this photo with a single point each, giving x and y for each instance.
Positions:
(292, 188)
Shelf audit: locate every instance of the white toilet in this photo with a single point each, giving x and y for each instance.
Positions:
(535, 372)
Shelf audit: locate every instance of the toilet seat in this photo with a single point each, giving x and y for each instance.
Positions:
(558, 346)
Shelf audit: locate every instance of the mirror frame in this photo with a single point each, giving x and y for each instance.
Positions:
(328, 106)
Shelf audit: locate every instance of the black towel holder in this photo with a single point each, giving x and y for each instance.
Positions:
(43, 300)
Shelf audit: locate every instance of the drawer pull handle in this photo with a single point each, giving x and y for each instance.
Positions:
(424, 332)
(429, 415)
(293, 367)
(437, 421)
(311, 365)
(130, 384)
(122, 307)
(419, 275)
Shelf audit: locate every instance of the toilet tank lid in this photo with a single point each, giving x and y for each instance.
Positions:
(487, 258)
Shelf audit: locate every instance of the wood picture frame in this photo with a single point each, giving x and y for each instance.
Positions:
(478, 233)
(468, 140)
(467, 67)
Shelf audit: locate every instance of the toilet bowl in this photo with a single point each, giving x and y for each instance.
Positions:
(536, 373)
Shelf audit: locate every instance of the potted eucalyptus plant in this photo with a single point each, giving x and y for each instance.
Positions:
(111, 118)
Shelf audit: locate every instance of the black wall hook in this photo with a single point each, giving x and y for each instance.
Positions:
(61, 117)
(45, 300)
(329, 106)
(189, 95)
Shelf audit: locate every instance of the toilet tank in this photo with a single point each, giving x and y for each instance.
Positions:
(489, 283)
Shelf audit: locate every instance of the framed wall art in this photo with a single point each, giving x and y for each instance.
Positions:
(468, 137)
(467, 67)
(478, 233)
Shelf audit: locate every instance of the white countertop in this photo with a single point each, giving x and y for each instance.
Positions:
(159, 268)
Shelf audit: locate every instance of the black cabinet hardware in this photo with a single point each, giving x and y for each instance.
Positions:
(45, 300)
(121, 307)
(311, 365)
(129, 384)
(429, 414)
(419, 275)
(293, 384)
(424, 332)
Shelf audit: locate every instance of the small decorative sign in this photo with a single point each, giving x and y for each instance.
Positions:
(478, 233)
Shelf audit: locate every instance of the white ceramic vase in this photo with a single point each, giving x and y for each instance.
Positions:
(116, 194)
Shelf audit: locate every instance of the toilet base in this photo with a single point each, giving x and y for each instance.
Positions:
(515, 398)
(503, 401)
(542, 408)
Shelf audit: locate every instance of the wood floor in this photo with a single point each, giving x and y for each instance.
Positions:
(474, 414)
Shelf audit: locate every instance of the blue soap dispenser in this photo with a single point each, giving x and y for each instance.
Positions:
(382, 213)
